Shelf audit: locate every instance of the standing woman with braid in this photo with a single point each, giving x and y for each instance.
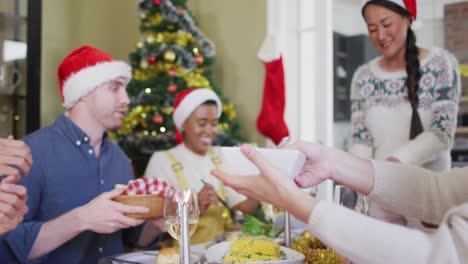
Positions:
(405, 102)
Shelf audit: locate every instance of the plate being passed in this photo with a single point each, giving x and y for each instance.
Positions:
(145, 257)
(216, 253)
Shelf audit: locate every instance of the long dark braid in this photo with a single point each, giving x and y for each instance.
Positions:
(412, 82)
(412, 65)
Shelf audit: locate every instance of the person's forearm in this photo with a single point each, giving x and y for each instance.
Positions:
(148, 234)
(55, 233)
(352, 171)
(366, 240)
(247, 207)
(300, 204)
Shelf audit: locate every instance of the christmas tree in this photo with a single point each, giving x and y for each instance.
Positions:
(172, 55)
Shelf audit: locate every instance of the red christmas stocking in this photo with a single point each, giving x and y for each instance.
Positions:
(270, 121)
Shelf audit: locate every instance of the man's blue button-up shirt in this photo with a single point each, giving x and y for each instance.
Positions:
(65, 175)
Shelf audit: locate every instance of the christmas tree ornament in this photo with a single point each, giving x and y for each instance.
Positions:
(199, 59)
(270, 121)
(150, 39)
(169, 56)
(157, 2)
(139, 44)
(155, 20)
(180, 10)
(157, 119)
(167, 110)
(144, 64)
(172, 73)
(195, 51)
(172, 88)
(159, 37)
(142, 15)
(152, 59)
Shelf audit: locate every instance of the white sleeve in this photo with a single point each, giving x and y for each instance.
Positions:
(362, 239)
(417, 192)
(439, 136)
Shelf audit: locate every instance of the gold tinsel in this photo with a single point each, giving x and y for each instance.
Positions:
(155, 19)
(196, 80)
(314, 251)
(180, 38)
(137, 116)
(464, 70)
(229, 111)
(167, 110)
(223, 127)
(324, 256)
(192, 79)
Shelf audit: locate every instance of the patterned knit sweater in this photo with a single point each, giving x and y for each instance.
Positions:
(381, 112)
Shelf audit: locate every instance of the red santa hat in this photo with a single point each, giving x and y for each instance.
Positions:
(84, 69)
(410, 6)
(187, 101)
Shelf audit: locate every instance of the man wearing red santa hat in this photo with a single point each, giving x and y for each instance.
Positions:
(72, 218)
(188, 165)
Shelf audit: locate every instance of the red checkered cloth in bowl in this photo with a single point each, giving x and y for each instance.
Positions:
(149, 186)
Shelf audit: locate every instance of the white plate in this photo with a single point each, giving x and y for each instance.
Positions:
(148, 258)
(216, 253)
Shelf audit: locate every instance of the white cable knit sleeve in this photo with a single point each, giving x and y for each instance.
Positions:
(442, 101)
(417, 192)
(363, 240)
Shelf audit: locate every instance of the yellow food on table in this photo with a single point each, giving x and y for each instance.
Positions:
(248, 249)
(168, 255)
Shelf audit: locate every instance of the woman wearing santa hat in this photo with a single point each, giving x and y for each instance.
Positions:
(188, 165)
(405, 102)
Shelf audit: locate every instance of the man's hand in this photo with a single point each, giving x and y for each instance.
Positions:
(12, 206)
(14, 153)
(102, 215)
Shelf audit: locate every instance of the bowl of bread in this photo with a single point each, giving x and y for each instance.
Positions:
(147, 192)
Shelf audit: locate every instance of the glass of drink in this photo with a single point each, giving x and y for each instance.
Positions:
(172, 216)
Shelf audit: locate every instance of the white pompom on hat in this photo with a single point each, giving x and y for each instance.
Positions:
(410, 6)
(84, 69)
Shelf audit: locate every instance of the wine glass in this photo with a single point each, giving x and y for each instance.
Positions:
(173, 218)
